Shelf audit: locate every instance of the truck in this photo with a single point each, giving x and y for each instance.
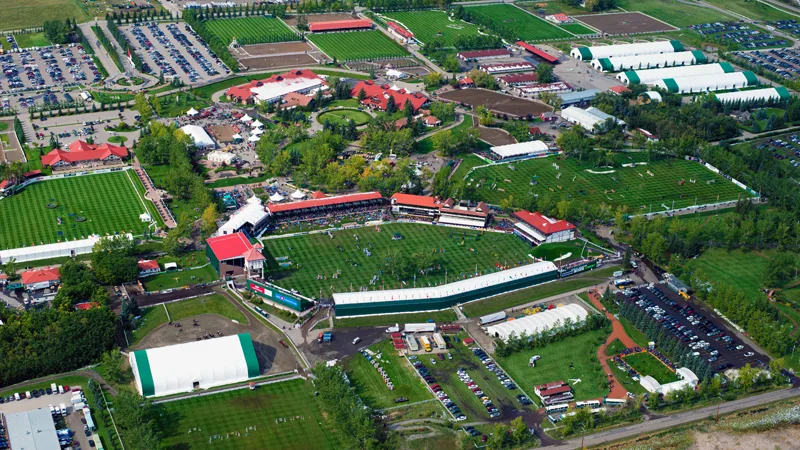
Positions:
(426, 343)
(420, 328)
(60, 389)
(489, 318)
(54, 388)
(439, 341)
(412, 343)
(63, 409)
(324, 336)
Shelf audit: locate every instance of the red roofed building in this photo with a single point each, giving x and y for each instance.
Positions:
(559, 18)
(293, 100)
(5, 184)
(403, 34)
(148, 267)
(84, 152)
(538, 52)
(317, 207)
(431, 121)
(318, 195)
(276, 87)
(444, 212)
(478, 55)
(86, 305)
(466, 82)
(536, 228)
(340, 25)
(519, 79)
(233, 254)
(377, 96)
(415, 205)
(650, 136)
(619, 90)
(40, 278)
(534, 131)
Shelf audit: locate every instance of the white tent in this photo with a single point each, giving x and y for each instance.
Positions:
(536, 323)
(68, 248)
(298, 194)
(257, 124)
(276, 197)
(192, 112)
(199, 135)
(254, 139)
(246, 118)
(237, 137)
(251, 215)
(257, 132)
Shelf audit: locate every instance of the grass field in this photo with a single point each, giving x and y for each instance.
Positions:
(560, 251)
(527, 26)
(29, 40)
(576, 28)
(736, 268)
(170, 280)
(469, 161)
(426, 145)
(631, 186)
(447, 315)
(251, 30)
(647, 364)
(370, 385)
(555, 7)
(674, 12)
(428, 25)
(501, 302)
(615, 348)
(343, 116)
(33, 13)
(571, 358)
(282, 415)
(357, 45)
(754, 10)
(319, 255)
(109, 203)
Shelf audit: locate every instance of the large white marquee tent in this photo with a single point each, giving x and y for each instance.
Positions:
(617, 63)
(653, 75)
(778, 93)
(536, 323)
(608, 51)
(708, 83)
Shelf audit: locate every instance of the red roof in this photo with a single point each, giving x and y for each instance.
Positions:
(540, 53)
(243, 91)
(618, 89)
(40, 275)
(33, 173)
(295, 99)
(3, 276)
(431, 120)
(485, 53)
(646, 133)
(561, 17)
(229, 246)
(86, 305)
(400, 30)
(543, 223)
(422, 201)
(379, 95)
(551, 384)
(318, 195)
(148, 264)
(340, 25)
(327, 201)
(519, 78)
(534, 131)
(3, 184)
(253, 255)
(466, 81)
(554, 391)
(83, 151)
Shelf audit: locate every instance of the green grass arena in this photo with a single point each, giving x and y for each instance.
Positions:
(318, 255)
(631, 186)
(646, 364)
(251, 30)
(357, 45)
(276, 416)
(526, 26)
(344, 116)
(428, 25)
(109, 202)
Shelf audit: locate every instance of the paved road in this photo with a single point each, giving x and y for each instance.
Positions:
(99, 50)
(677, 419)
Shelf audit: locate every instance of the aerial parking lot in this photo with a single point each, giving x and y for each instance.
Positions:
(784, 62)
(48, 67)
(175, 50)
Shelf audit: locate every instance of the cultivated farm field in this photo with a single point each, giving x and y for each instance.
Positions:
(357, 45)
(654, 184)
(428, 25)
(251, 30)
(92, 204)
(526, 26)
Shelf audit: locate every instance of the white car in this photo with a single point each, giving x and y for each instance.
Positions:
(739, 347)
(748, 354)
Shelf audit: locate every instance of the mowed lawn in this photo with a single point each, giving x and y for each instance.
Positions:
(282, 415)
(631, 186)
(109, 203)
(428, 25)
(251, 30)
(569, 359)
(674, 12)
(576, 28)
(29, 40)
(344, 116)
(174, 279)
(444, 316)
(646, 364)
(754, 10)
(370, 385)
(357, 45)
(736, 268)
(318, 255)
(526, 26)
(33, 13)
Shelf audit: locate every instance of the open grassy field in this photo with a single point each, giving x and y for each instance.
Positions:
(736, 268)
(29, 40)
(251, 30)
(33, 13)
(207, 304)
(631, 186)
(576, 28)
(469, 161)
(277, 416)
(343, 116)
(428, 25)
(445, 316)
(674, 12)
(108, 202)
(571, 358)
(754, 10)
(527, 26)
(173, 279)
(318, 255)
(357, 45)
(647, 364)
(370, 385)
(555, 7)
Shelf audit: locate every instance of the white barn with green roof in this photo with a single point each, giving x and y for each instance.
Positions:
(777, 93)
(708, 83)
(619, 63)
(654, 75)
(608, 51)
(181, 368)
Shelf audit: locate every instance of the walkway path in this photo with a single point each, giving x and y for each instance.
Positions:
(154, 195)
(617, 332)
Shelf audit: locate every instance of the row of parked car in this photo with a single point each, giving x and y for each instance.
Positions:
(740, 33)
(494, 368)
(35, 393)
(792, 144)
(438, 390)
(784, 62)
(473, 386)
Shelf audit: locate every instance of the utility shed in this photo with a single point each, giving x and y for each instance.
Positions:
(196, 365)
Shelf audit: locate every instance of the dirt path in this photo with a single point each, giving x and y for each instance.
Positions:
(617, 332)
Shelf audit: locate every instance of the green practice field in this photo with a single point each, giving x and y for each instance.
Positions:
(755, 10)
(276, 416)
(647, 364)
(428, 25)
(736, 268)
(29, 40)
(343, 116)
(526, 26)
(171, 280)
(576, 28)
(318, 255)
(674, 12)
(33, 13)
(251, 30)
(92, 204)
(632, 186)
(357, 45)
(370, 385)
(571, 358)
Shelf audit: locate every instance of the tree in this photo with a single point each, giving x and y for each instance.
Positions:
(56, 31)
(391, 106)
(498, 438)
(519, 431)
(114, 261)
(112, 362)
(432, 80)
(451, 64)
(441, 182)
(361, 95)
(209, 220)
(544, 73)
(779, 270)
(144, 108)
(485, 117)
(626, 258)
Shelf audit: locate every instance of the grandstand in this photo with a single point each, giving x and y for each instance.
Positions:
(444, 212)
(322, 207)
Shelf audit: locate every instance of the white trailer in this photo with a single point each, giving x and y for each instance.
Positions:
(439, 341)
(63, 409)
(495, 317)
(420, 327)
(412, 343)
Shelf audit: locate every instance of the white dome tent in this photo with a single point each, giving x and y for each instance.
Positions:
(298, 194)
(254, 139)
(276, 198)
(257, 132)
(246, 118)
(192, 112)
(536, 323)
(257, 124)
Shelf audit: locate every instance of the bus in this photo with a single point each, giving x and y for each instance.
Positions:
(622, 282)
(589, 403)
(559, 408)
(426, 343)
(555, 418)
(615, 401)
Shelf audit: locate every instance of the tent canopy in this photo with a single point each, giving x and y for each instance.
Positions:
(257, 132)
(254, 139)
(276, 197)
(246, 118)
(258, 124)
(298, 194)
(191, 112)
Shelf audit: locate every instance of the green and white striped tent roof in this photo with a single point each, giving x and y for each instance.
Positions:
(642, 48)
(641, 62)
(654, 75)
(203, 364)
(776, 93)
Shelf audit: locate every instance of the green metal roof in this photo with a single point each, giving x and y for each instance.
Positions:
(145, 374)
(586, 54)
(726, 67)
(699, 57)
(752, 79)
(672, 86)
(783, 93)
(677, 45)
(249, 355)
(605, 63)
(632, 76)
